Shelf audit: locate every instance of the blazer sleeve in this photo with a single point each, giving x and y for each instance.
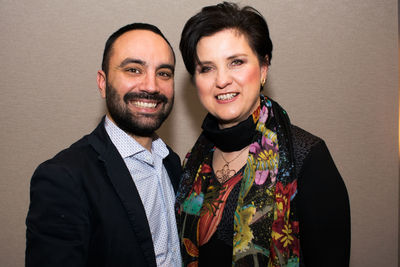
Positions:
(57, 222)
(324, 211)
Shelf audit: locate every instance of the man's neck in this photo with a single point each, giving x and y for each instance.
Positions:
(144, 141)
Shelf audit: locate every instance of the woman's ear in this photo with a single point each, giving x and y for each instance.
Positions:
(264, 71)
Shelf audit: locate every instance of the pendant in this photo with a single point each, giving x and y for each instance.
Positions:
(225, 174)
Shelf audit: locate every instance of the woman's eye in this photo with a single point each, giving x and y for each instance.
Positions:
(204, 69)
(237, 62)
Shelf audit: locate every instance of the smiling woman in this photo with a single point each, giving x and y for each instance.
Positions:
(228, 76)
(256, 190)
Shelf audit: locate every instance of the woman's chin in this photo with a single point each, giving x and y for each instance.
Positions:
(227, 123)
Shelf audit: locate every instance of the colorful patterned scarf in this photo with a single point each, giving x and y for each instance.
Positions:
(266, 228)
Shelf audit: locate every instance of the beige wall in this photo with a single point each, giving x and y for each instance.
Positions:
(334, 69)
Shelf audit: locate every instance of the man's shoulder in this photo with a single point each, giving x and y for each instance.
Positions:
(173, 161)
(172, 154)
(75, 156)
(81, 150)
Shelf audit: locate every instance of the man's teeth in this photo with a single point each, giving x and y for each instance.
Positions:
(226, 96)
(141, 104)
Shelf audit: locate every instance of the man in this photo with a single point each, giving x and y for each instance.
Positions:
(108, 199)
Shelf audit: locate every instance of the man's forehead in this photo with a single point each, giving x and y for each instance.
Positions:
(142, 43)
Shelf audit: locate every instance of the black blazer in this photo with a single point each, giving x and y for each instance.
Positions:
(85, 209)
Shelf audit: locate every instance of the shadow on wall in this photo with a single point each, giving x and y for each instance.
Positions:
(190, 106)
(103, 111)
(268, 91)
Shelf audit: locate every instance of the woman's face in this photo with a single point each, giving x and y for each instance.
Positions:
(228, 76)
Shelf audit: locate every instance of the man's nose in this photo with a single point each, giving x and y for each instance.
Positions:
(149, 84)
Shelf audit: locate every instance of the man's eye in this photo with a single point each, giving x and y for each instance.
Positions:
(165, 74)
(133, 70)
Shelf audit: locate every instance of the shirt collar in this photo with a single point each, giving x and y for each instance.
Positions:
(128, 146)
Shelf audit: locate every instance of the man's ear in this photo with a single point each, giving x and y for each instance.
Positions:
(101, 83)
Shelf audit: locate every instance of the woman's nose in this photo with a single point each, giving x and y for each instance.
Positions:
(223, 79)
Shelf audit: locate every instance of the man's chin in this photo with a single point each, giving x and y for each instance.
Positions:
(138, 124)
(144, 127)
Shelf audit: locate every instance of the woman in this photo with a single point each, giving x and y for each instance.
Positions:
(256, 190)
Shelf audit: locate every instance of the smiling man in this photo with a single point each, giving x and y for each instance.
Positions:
(108, 200)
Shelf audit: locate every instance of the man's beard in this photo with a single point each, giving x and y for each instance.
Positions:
(136, 124)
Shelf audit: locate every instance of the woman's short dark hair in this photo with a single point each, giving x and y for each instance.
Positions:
(212, 19)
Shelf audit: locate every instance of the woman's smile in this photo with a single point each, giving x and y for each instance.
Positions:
(228, 76)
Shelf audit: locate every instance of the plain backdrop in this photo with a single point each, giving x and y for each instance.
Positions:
(334, 69)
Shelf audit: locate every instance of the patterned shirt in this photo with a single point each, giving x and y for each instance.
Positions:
(155, 190)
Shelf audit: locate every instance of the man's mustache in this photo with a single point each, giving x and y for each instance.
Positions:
(143, 95)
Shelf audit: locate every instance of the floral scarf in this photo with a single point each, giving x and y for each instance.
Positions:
(266, 227)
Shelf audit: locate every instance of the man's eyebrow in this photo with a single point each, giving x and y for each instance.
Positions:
(128, 60)
(167, 66)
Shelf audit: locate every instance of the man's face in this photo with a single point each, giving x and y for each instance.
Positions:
(139, 85)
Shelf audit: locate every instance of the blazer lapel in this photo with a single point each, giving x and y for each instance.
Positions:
(172, 164)
(125, 187)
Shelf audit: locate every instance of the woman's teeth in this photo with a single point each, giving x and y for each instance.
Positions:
(226, 96)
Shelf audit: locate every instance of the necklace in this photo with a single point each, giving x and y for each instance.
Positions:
(226, 173)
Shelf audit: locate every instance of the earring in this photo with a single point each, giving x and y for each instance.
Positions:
(263, 82)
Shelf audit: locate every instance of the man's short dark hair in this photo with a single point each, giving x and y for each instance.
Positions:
(130, 27)
(212, 19)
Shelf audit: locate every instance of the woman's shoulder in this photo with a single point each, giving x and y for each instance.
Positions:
(303, 144)
(302, 139)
